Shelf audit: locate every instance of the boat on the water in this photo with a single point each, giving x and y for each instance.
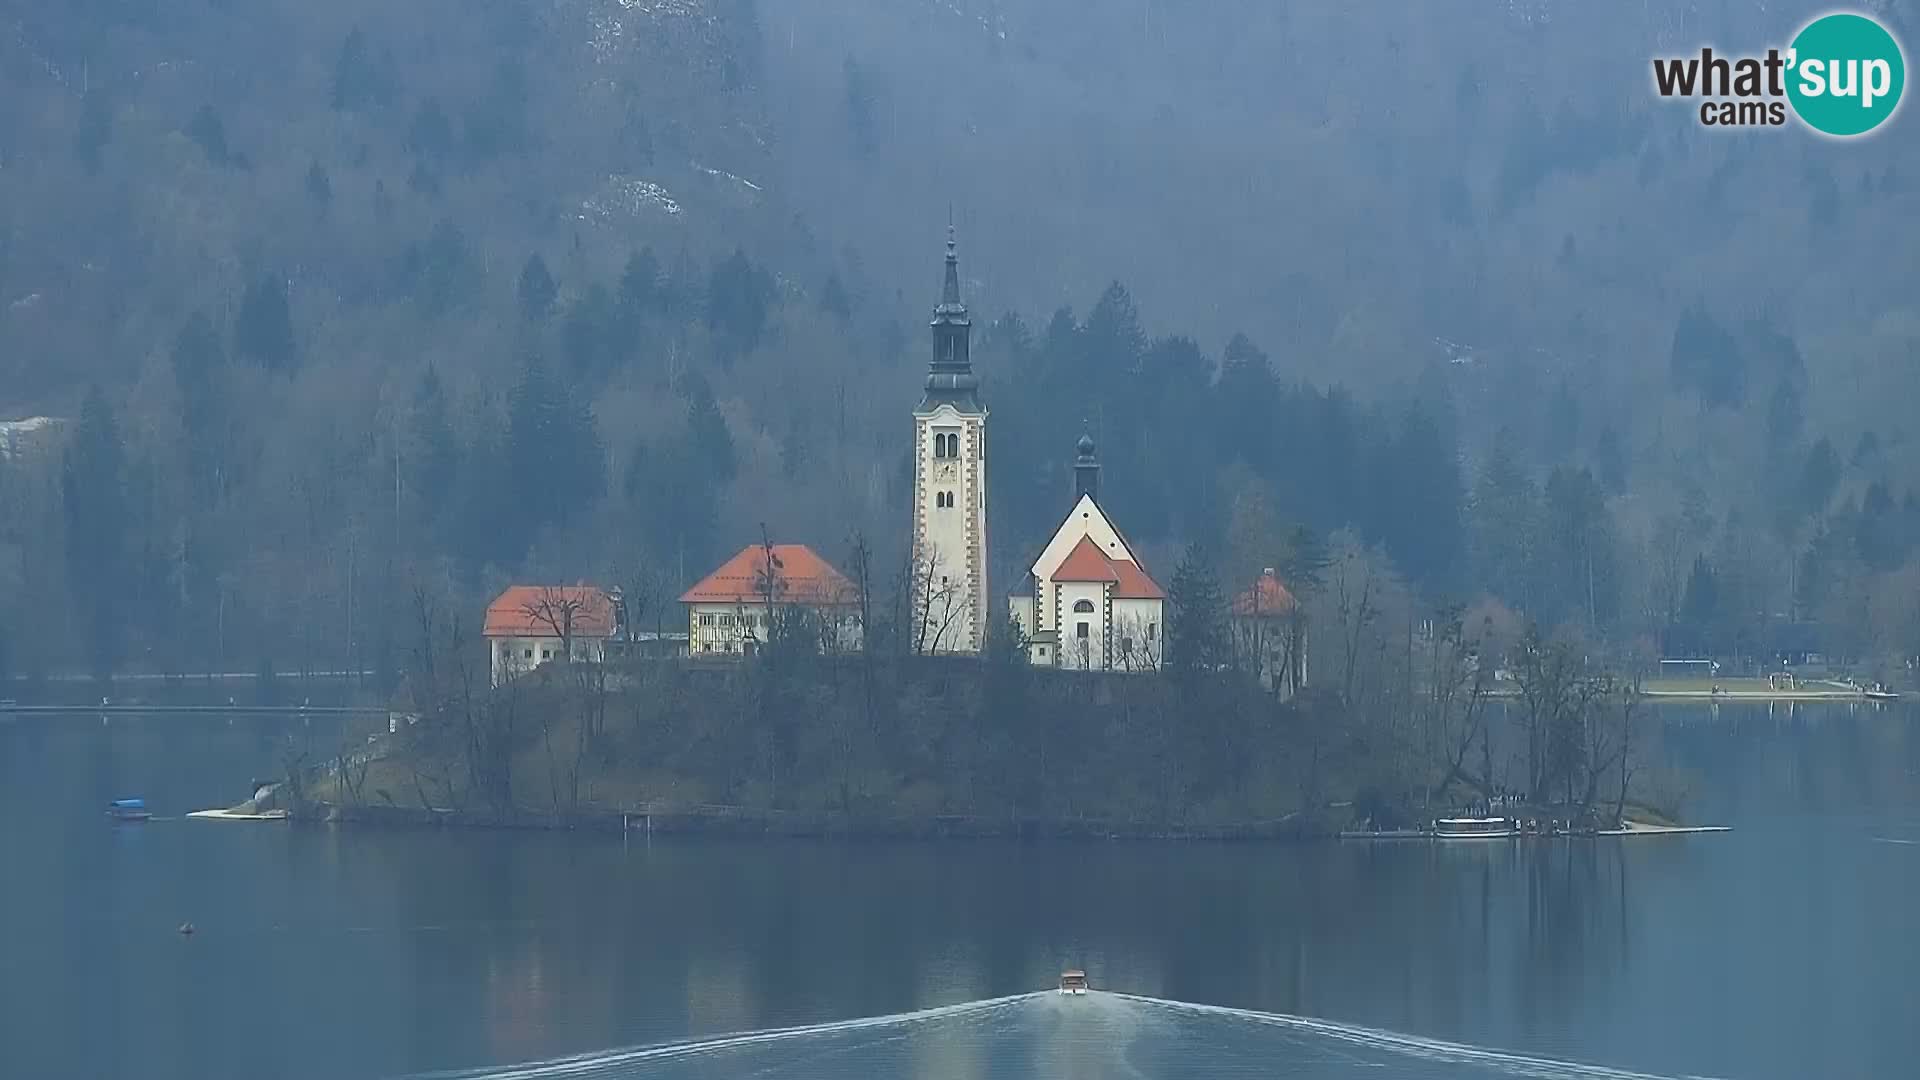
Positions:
(1484, 828)
(129, 810)
(1073, 981)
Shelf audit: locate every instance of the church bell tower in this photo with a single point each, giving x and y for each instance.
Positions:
(950, 486)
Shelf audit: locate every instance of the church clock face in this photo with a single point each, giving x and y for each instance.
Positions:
(945, 470)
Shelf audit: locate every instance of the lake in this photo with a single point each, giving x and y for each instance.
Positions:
(1786, 948)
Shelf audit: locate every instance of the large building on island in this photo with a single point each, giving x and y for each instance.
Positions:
(733, 610)
(1087, 603)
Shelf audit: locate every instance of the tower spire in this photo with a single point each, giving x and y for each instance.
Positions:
(1086, 468)
(950, 377)
(950, 291)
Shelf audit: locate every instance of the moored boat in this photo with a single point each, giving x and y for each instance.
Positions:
(129, 810)
(1487, 828)
(1073, 981)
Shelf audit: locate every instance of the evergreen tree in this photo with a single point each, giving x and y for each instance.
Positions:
(1610, 462)
(442, 273)
(592, 334)
(1818, 477)
(1506, 524)
(1196, 617)
(556, 466)
(1701, 602)
(861, 92)
(263, 331)
(432, 454)
(1423, 504)
(1247, 398)
(1878, 531)
(319, 189)
(1563, 425)
(199, 373)
(430, 135)
(1866, 452)
(1305, 567)
(1112, 337)
(93, 492)
(835, 301)
(536, 290)
(362, 82)
(95, 130)
(707, 433)
(1785, 418)
(640, 293)
(496, 123)
(1706, 360)
(739, 296)
(1580, 547)
(209, 133)
(675, 499)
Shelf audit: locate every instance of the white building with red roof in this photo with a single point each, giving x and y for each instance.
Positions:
(529, 625)
(1270, 634)
(1088, 604)
(734, 609)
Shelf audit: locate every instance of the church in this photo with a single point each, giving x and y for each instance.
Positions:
(1086, 603)
(950, 486)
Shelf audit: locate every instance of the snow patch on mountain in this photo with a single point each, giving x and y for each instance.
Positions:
(628, 197)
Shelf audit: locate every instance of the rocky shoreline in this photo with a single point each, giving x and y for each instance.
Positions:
(748, 823)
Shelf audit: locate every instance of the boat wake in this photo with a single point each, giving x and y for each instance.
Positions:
(1101, 1034)
(609, 1061)
(1438, 1051)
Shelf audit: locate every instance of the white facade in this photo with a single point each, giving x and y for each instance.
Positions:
(1092, 606)
(509, 657)
(950, 485)
(719, 629)
(950, 526)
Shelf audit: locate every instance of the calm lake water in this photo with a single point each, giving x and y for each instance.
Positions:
(1787, 948)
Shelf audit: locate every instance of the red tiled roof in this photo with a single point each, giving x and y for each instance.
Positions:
(534, 611)
(1086, 562)
(801, 576)
(1266, 596)
(1135, 583)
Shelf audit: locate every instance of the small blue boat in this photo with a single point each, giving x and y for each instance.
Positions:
(129, 810)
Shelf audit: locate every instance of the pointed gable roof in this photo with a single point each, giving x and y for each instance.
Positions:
(1086, 562)
(803, 578)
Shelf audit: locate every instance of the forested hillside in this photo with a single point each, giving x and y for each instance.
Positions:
(339, 299)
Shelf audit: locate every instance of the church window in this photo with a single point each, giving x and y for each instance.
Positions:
(1150, 628)
(1080, 631)
(1082, 607)
(1126, 646)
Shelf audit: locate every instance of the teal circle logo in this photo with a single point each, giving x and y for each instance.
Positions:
(1845, 74)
